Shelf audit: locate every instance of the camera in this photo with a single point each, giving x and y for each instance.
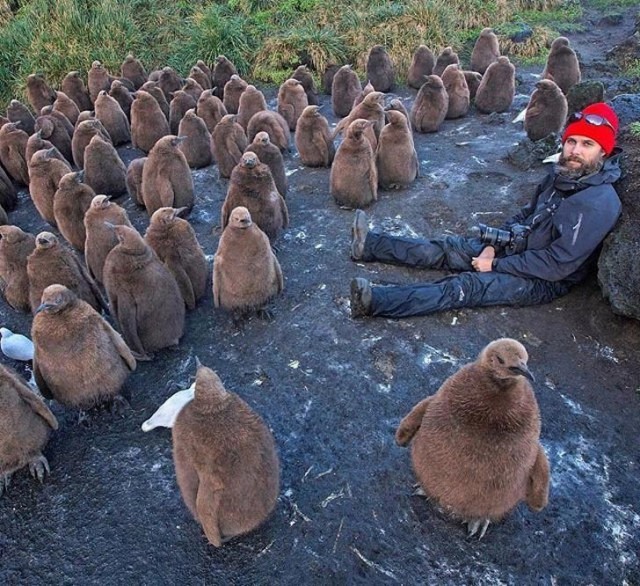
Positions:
(515, 238)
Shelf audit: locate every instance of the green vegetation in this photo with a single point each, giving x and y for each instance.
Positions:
(266, 39)
(634, 129)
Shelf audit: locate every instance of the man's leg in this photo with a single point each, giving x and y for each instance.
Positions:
(468, 289)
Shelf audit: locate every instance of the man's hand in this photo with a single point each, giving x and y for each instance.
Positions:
(482, 262)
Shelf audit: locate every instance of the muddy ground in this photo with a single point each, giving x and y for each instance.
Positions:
(333, 391)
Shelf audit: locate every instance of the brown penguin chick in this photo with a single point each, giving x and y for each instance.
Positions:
(169, 82)
(354, 177)
(109, 112)
(457, 90)
(397, 105)
(546, 111)
(179, 105)
(292, 99)
(485, 51)
(345, 88)
(446, 57)
(366, 90)
(371, 108)
(37, 143)
(476, 443)
(205, 69)
(143, 295)
(211, 109)
(396, 157)
(154, 76)
(15, 247)
(226, 461)
(134, 180)
(4, 218)
(60, 119)
(73, 86)
(251, 101)
(429, 109)
(39, 94)
(101, 238)
(246, 272)
(166, 177)
(51, 262)
(252, 187)
(562, 65)
(314, 139)
(79, 359)
(55, 132)
(497, 88)
(274, 125)
(303, 75)
(232, 91)
(270, 155)
(104, 170)
(13, 147)
(154, 90)
(134, 71)
(228, 142)
(422, 64)
(85, 115)
(473, 79)
(65, 105)
(197, 143)
(327, 77)
(193, 88)
(123, 96)
(85, 131)
(204, 81)
(25, 426)
(221, 74)
(174, 241)
(70, 202)
(148, 122)
(18, 112)
(45, 172)
(8, 193)
(380, 70)
(98, 79)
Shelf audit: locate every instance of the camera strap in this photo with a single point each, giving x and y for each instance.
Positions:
(551, 205)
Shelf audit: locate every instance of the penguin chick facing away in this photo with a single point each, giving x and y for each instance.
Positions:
(475, 444)
(226, 462)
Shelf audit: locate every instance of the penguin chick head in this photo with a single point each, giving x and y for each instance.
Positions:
(209, 388)
(100, 202)
(11, 234)
(240, 218)
(434, 81)
(249, 160)
(310, 111)
(166, 215)
(374, 99)
(394, 117)
(547, 85)
(357, 127)
(506, 358)
(262, 138)
(45, 240)
(55, 298)
(127, 237)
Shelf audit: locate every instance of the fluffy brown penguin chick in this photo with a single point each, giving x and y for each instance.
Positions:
(226, 461)
(475, 444)
(79, 359)
(313, 139)
(15, 247)
(25, 425)
(546, 111)
(270, 155)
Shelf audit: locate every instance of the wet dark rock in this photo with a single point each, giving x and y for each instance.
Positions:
(584, 93)
(612, 19)
(496, 118)
(627, 107)
(528, 154)
(626, 52)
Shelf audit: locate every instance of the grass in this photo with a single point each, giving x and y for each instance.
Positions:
(266, 39)
(634, 129)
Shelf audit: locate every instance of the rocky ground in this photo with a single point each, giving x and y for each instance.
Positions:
(333, 390)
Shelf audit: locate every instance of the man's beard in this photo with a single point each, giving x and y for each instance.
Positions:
(576, 172)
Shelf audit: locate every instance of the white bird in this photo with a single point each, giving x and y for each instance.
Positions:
(552, 158)
(166, 414)
(16, 346)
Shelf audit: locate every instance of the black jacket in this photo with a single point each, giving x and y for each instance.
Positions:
(570, 218)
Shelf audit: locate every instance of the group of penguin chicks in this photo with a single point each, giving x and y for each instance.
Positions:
(477, 472)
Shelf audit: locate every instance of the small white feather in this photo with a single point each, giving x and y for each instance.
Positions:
(166, 414)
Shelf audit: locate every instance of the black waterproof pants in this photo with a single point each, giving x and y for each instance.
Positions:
(467, 289)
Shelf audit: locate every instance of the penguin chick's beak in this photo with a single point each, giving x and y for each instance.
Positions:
(43, 307)
(523, 371)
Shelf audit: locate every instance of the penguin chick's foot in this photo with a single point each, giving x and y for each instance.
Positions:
(5, 481)
(477, 524)
(142, 357)
(119, 405)
(39, 467)
(84, 418)
(265, 314)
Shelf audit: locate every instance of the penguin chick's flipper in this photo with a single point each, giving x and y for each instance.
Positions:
(207, 504)
(411, 423)
(477, 524)
(39, 467)
(538, 485)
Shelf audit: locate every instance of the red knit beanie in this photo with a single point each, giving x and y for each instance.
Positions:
(604, 135)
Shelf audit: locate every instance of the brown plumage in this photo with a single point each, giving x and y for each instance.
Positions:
(274, 125)
(134, 180)
(13, 147)
(37, 143)
(226, 461)
(366, 90)
(344, 89)
(192, 88)
(100, 236)
(134, 71)
(497, 88)
(475, 444)
(197, 143)
(39, 94)
(85, 131)
(232, 91)
(66, 106)
(396, 157)
(148, 122)
(429, 109)
(546, 111)
(52, 262)
(85, 115)
(203, 80)
(397, 105)
(251, 101)
(562, 65)
(79, 359)
(174, 241)
(58, 116)
(53, 130)
(152, 88)
(221, 74)
(104, 170)
(354, 177)
(457, 90)
(70, 202)
(25, 426)
(181, 102)
(18, 112)
(15, 247)
(422, 64)
(45, 172)
(109, 112)
(98, 79)
(166, 177)
(314, 139)
(73, 86)
(371, 108)
(303, 75)
(327, 77)
(169, 82)
(473, 79)
(446, 57)
(143, 295)
(123, 96)
(229, 142)
(211, 109)
(485, 51)
(8, 193)
(292, 100)
(204, 68)
(380, 71)
(270, 155)
(252, 187)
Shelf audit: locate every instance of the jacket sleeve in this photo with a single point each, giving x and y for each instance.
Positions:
(582, 221)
